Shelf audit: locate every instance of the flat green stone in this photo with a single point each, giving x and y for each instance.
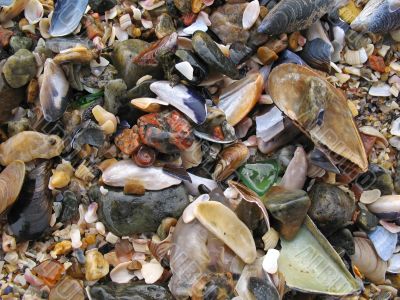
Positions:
(259, 176)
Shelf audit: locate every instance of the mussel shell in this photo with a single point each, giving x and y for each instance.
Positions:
(293, 15)
(239, 52)
(66, 17)
(377, 18)
(319, 159)
(31, 214)
(288, 57)
(317, 53)
(304, 96)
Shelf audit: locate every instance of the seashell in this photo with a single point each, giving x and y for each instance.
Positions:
(386, 207)
(118, 174)
(33, 11)
(349, 12)
(150, 105)
(305, 261)
(145, 156)
(317, 53)
(66, 17)
(250, 14)
(270, 239)
(270, 261)
(61, 175)
(393, 5)
(53, 91)
(8, 242)
(30, 215)
(294, 15)
(296, 172)
(239, 98)
(320, 160)
(369, 197)
(121, 273)
(29, 145)
(367, 261)
(78, 55)
(11, 180)
(394, 264)
(338, 43)
(200, 70)
(270, 124)
(391, 227)
(188, 214)
(231, 158)
(395, 35)
(376, 17)
(11, 9)
(193, 156)
(200, 24)
(296, 90)
(44, 27)
(125, 21)
(371, 131)
(185, 69)
(96, 266)
(380, 90)
(106, 120)
(184, 98)
(91, 215)
(226, 226)
(196, 181)
(355, 57)
(75, 236)
(84, 173)
(132, 187)
(384, 242)
(152, 271)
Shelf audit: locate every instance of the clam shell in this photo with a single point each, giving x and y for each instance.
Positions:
(184, 98)
(295, 90)
(394, 264)
(231, 158)
(11, 180)
(29, 145)
(121, 273)
(53, 91)
(66, 17)
(384, 242)
(121, 172)
(188, 214)
(226, 226)
(294, 15)
(34, 11)
(317, 53)
(376, 17)
(250, 14)
(386, 207)
(367, 261)
(239, 98)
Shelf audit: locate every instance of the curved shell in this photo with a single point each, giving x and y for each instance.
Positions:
(29, 145)
(11, 11)
(320, 111)
(34, 11)
(376, 17)
(317, 53)
(294, 15)
(231, 158)
(66, 17)
(53, 91)
(11, 180)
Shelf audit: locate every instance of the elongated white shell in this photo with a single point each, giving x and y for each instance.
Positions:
(250, 14)
(34, 11)
(226, 226)
(152, 178)
(121, 274)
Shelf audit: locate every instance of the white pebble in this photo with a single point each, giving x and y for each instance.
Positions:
(231, 193)
(270, 261)
(368, 197)
(111, 238)
(100, 228)
(75, 236)
(103, 190)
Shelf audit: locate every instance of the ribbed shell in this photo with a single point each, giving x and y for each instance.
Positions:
(11, 180)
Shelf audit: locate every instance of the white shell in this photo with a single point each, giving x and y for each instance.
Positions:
(355, 57)
(119, 173)
(250, 14)
(198, 25)
(150, 5)
(185, 69)
(391, 227)
(394, 264)
(193, 186)
(152, 271)
(270, 261)
(75, 235)
(188, 214)
(120, 33)
(33, 11)
(368, 197)
(380, 90)
(121, 274)
(91, 213)
(125, 21)
(97, 68)
(395, 130)
(101, 229)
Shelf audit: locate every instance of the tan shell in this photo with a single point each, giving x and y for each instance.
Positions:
(302, 94)
(9, 12)
(29, 145)
(78, 54)
(11, 181)
(150, 105)
(231, 158)
(226, 226)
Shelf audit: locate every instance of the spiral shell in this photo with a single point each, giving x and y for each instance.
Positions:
(11, 180)
(145, 156)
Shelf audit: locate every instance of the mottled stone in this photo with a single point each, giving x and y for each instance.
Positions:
(365, 220)
(165, 26)
(20, 42)
(331, 208)
(289, 208)
(343, 239)
(128, 214)
(20, 68)
(96, 266)
(128, 291)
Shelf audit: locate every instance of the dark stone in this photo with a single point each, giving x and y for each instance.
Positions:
(376, 178)
(365, 220)
(101, 6)
(20, 42)
(70, 208)
(129, 214)
(331, 208)
(343, 239)
(130, 291)
(9, 99)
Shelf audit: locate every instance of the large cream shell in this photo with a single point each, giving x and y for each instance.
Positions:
(226, 226)
(11, 181)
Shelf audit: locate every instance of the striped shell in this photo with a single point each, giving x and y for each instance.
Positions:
(11, 180)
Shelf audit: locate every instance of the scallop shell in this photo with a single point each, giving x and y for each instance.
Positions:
(34, 11)
(11, 180)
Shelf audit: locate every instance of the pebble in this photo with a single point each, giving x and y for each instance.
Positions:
(96, 266)
(19, 68)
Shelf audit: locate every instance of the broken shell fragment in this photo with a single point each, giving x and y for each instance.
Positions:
(384, 242)
(150, 105)
(250, 14)
(77, 55)
(29, 145)
(231, 158)
(121, 273)
(11, 180)
(270, 261)
(119, 173)
(222, 222)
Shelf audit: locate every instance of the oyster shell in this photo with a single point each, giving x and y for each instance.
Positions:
(321, 112)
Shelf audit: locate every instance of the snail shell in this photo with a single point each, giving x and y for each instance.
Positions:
(145, 156)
